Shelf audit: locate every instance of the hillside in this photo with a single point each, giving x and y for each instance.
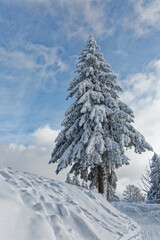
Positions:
(146, 215)
(39, 208)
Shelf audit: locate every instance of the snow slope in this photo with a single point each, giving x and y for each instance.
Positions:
(146, 215)
(38, 208)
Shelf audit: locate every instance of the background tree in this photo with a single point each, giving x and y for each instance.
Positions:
(153, 195)
(145, 183)
(133, 194)
(98, 126)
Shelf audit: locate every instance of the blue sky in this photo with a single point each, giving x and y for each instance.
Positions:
(39, 44)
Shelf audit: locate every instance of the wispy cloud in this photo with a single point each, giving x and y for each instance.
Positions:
(85, 17)
(33, 58)
(78, 18)
(17, 60)
(120, 52)
(26, 70)
(26, 1)
(145, 17)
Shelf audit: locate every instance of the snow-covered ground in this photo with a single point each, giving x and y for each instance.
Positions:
(38, 208)
(146, 215)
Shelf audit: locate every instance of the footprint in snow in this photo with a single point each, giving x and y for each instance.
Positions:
(5, 175)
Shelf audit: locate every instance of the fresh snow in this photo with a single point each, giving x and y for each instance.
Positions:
(38, 208)
(146, 215)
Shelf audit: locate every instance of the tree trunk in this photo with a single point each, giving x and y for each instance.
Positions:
(107, 190)
(100, 179)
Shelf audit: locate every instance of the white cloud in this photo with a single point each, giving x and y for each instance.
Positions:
(86, 17)
(44, 137)
(120, 52)
(33, 58)
(142, 95)
(33, 158)
(26, 1)
(131, 174)
(16, 59)
(26, 68)
(78, 18)
(146, 17)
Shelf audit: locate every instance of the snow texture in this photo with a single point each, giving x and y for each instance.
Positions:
(39, 208)
(146, 215)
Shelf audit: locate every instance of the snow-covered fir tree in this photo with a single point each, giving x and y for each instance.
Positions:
(153, 195)
(97, 126)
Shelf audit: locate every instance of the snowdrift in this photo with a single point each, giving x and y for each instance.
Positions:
(146, 215)
(38, 208)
